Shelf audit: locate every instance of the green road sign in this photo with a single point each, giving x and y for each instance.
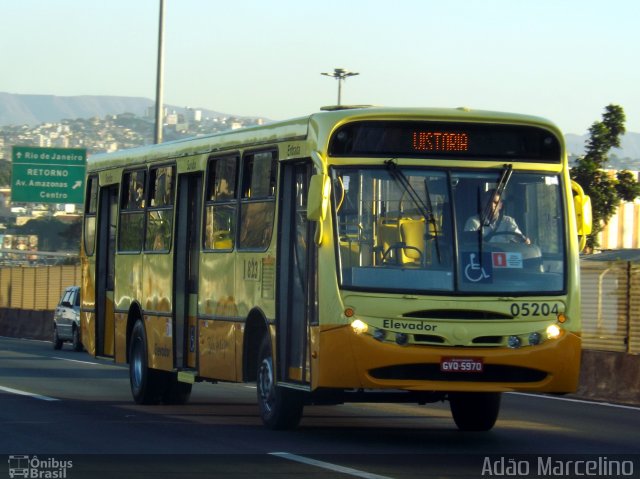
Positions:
(48, 175)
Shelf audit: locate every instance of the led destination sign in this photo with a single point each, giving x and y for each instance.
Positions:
(473, 141)
(440, 141)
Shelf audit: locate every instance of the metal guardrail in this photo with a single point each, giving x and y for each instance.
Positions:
(610, 298)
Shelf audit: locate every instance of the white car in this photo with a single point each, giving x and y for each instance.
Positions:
(66, 319)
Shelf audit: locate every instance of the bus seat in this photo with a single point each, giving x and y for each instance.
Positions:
(412, 233)
(387, 234)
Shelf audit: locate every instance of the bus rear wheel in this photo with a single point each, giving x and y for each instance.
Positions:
(147, 385)
(474, 411)
(280, 408)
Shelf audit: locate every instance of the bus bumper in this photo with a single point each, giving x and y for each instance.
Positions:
(351, 360)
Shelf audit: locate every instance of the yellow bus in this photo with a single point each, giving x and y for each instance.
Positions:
(356, 254)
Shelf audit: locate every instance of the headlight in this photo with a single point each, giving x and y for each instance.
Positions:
(553, 331)
(359, 327)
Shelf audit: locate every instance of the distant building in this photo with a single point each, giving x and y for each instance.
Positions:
(61, 142)
(5, 197)
(171, 118)
(44, 141)
(193, 115)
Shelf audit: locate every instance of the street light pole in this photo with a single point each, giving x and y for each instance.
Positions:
(159, 77)
(340, 74)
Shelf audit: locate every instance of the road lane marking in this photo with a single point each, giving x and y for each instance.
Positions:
(582, 401)
(25, 393)
(328, 465)
(78, 361)
(25, 339)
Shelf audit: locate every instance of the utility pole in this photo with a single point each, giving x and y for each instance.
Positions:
(340, 74)
(159, 78)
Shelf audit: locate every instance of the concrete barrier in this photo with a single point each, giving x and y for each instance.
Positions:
(611, 377)
(28, 324)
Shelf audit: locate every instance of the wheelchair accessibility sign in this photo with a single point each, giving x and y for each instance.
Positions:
(477, 270)
(480, 269)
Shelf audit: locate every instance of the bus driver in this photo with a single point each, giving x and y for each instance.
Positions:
(498, 227)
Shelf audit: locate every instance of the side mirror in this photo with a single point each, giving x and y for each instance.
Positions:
(318, 199)
(583, 214)
(584, 220)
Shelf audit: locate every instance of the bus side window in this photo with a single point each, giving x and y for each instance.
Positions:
(91, 210)
(221, 203)
(160, 211)
(131, 224)
(257, 206)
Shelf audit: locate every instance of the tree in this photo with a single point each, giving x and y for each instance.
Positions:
(5, 173)
(53, 234)
(605, 190)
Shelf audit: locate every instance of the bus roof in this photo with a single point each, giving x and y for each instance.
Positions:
(298, 129)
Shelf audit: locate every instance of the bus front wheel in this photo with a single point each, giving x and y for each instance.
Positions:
(474, 411)
(280, 408)
(147, 384)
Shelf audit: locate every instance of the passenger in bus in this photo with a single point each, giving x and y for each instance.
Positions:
(498, 226)
(139, 195)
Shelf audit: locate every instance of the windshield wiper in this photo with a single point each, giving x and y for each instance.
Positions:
(487, 211)
(425, 209)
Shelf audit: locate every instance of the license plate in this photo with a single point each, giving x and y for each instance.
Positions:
(461, 365)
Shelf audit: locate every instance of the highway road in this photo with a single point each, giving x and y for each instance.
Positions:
(67, 406)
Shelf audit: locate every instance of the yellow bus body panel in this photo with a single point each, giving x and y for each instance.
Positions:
(121, 338)
(159, 342)
(217, 350)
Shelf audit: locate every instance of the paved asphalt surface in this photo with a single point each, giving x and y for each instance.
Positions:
(75, 416)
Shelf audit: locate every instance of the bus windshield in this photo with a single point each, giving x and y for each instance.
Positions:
(449, 231)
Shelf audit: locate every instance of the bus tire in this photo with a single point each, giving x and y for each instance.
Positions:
(280, 408)
(176, 392)
(474, 411)
(147, 385)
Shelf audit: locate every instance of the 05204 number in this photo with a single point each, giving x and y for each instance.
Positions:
(533, 309)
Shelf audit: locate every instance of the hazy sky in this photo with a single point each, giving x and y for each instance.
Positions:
(561, 59)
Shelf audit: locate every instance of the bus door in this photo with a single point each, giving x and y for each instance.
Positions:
(186, 259)
(105, 271)
(296, 305)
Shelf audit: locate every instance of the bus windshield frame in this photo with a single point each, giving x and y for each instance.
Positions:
(386, 242)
